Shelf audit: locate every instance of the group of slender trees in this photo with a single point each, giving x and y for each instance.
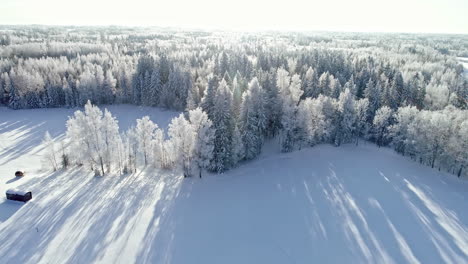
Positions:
(404, 91)
(93, 140)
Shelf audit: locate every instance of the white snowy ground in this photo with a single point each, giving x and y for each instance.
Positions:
(318, 205)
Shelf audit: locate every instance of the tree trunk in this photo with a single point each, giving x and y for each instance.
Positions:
(102, 165)
(460, 171)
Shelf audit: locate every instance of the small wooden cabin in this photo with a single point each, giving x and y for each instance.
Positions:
(16, 195)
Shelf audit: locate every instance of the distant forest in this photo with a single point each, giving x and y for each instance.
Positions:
(405, 91)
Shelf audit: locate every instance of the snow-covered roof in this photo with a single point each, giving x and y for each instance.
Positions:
(14, 191)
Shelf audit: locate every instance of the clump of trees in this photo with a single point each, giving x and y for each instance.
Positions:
(95, 142)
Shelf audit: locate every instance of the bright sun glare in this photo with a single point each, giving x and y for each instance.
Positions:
(425, 16)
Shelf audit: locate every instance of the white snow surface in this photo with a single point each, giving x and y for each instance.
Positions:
(464, 62)
(352, 204)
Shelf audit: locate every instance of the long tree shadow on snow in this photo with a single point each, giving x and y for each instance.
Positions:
(313, 212)
(27, 133)
(275, 210)
(75, 215)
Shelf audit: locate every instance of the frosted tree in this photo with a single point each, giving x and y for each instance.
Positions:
(207, 103)
(290, 94)
(130, 142)
(431, 132)
(108, 89)
(253, 119)
(311, 83)
(381, 124)
(238, 149)
(237, 96)
(324, 84)
(87, 134)
(224, 128)
(346, 118)
(145, 131)
(50, 154)
(361, 126)
(182, 136)
(399, 133)
(372, 93)
(458, 145)
(351, 86)
(203, 139)
(111, 138)
(312, 120)
(159, 154)
(273, 105)
(155, 88)
(437, 96)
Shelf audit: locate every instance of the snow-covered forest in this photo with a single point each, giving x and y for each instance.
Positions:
(237, 90)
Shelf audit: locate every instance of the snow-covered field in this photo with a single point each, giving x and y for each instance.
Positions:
(318, 205)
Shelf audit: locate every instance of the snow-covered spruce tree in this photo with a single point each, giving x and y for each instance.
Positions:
(381, 124)
(253, 119)
(155, 88)
(273, 105)
(345, 119)
(145, 131)
(182, 136)
(50, 154)
(207, 102)
(311, 83)
(236, 97)
(372, 93)
(108, 88)
(223, 124)
(324, 84)
(203, 141)
(361, 126)
(351, 86)
(290, 95)
(238, 150)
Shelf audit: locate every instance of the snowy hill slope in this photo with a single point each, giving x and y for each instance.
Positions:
(323, 204)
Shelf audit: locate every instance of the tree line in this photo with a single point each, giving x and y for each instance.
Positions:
(407, 92)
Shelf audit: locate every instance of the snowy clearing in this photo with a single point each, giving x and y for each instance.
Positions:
(464, 62)
(22, 132)
(323, 204)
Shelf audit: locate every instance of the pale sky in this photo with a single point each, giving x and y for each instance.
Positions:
(427, 16)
